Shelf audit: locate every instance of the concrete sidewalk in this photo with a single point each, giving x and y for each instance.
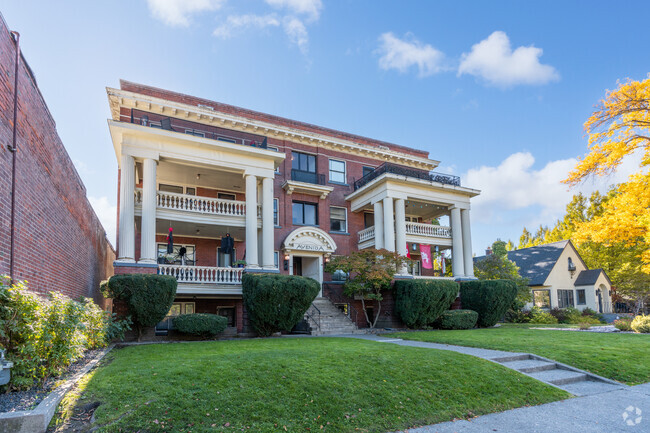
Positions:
(626, 410)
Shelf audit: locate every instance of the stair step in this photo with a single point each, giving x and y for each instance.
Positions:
(559, 377)
(590, 387)
(530, 365)
(510, 358)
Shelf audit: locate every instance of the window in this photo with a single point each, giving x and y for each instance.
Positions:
(542, 298)
(337, 171)
(368, 170)
(175, 257)
(275, 149)
(303, 162)
(305, 213)
(582, 297)
(228, 313)
(155, 125)
(226, 196)
(572, 267)
(339, 275)
(226, 139)
(565, 298)
(276, 212)
(338, 219)
(176, 189)
(226, 260)
(195, 133)
(368, 220)
(276, 259)
(414, 268)
(190, 190)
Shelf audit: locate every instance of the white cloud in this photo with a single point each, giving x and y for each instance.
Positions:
(236, 22)
(494, 60)
(297, 33)
(82, 167)
(310, 9)
(107, 214)
(515, 185)
(403, 54)
(177, 13)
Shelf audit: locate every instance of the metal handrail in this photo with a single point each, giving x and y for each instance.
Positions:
(351, 309)
(388, 167)
(309, 315)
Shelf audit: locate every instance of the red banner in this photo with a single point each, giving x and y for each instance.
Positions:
(425, 253)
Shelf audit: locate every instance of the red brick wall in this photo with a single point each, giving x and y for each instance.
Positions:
(59, 242)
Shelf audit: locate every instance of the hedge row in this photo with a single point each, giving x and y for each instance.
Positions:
(457, 319)
(200, 324)
(44, 336)
(419, 302)
(277, 302)
(489, 298)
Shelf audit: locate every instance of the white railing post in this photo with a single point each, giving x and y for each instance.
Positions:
(202, 274)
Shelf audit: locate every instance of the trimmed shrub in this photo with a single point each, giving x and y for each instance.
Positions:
(623, 324)
(457, 319)
(200, 324)
(592, 313)
(489, 298)
(537, 315)
(641, 324)
(569, 315)
(419, 302)
(277, 302)
(148, 296)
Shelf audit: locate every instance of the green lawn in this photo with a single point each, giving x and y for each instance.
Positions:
(622, 357)
(298, 384)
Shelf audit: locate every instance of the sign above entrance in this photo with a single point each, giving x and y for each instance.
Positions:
(309, 239)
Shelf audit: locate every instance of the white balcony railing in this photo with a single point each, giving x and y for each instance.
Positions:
(202, 274)
(428, 230)
(416, 229)
(367, 234)
(196, 204)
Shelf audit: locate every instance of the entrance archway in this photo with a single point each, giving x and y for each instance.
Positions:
(307, 247)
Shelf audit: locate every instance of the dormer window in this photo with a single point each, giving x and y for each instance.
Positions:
(572, 267)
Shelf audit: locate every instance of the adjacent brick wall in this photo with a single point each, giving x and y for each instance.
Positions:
(59, 242)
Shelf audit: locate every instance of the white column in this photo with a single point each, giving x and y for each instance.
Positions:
(457, 260)
(148, 234)
(389, 226)
(268, 246)
(251, 221)
(467, 243)
(400, 231)
(126, 240)
(379, 225)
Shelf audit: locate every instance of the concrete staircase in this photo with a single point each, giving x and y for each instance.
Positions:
(573, 380)
(326, 319)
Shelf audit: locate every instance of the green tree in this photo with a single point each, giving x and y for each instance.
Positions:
(370, 272)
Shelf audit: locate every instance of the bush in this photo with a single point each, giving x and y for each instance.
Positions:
(623, 324)
(200, 324)
(592, 313)
(44, 336)
(457, 319)
(489, 298)
(641, 324)
(419, 302)
(584, 325)
(277, 302)
(537, 315)
(147, 296)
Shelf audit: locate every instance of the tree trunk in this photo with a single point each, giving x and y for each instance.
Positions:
(377, 315)
(365, 313)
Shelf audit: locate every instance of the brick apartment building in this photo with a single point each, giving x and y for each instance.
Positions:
(289, 194)
(59, 243)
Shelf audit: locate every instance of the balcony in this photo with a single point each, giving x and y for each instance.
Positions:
(204, 279)
(307, 177)
(387, 167)
(307, 182)
(197, 208)
(415, 232)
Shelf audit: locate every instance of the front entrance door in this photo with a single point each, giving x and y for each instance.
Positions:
(297, 266)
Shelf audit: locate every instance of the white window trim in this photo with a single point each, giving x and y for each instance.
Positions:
(276, 202)
(346, 218)
(345, 170)
(276, 254)
(195, 132)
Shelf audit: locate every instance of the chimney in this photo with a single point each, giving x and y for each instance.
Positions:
(488, 251)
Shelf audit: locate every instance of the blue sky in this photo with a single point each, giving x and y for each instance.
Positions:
(497, 91)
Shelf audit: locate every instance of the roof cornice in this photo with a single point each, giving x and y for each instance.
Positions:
(121, 98)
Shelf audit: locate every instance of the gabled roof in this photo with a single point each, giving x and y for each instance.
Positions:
(589, 277)
(535, 263)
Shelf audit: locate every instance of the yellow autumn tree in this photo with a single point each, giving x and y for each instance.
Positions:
(618, 128)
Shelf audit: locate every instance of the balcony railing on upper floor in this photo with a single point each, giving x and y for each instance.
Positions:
(307, 177)
(413, 229)
(197, 204)
(388, 167)
(202, 274)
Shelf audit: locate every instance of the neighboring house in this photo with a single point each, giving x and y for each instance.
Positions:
(58, 242)
(559, 278)
(290, 194)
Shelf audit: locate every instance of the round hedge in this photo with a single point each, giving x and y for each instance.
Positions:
(489, 298)
(200, 324)
(457, 319)
(420, 302)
